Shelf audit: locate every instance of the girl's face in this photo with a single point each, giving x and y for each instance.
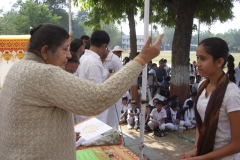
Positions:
(206, 64)
(61, 55)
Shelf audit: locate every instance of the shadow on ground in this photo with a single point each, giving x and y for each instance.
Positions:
(172, 146)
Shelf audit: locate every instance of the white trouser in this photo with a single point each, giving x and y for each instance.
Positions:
(189, 123)
(131, 120)
(171, 126)
(113, 115)
(151, 124)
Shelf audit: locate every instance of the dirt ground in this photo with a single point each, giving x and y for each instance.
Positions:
(172, 146)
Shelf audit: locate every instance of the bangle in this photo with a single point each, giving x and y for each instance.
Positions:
(140, 60)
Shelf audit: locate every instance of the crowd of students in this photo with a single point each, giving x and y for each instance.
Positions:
(39, 97)
(212, 107)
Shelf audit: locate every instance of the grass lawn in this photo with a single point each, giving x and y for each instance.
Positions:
(168, 55)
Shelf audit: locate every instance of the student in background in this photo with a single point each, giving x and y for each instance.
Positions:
(195, 85)
(77, 47)
(124, 108)
(173, 117)
(192, 80)
(189, 115)
(157, 120)
(133, 116)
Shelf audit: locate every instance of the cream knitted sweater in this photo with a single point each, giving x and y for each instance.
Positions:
(36, 105)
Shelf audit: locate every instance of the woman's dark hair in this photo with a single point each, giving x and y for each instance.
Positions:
(231, 68)
(216, 47)
(99, 37)
(173, 105)
(75, 45)
(50, 35)
(74, 58)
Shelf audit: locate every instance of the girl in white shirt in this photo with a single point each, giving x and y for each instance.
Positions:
(217, 109)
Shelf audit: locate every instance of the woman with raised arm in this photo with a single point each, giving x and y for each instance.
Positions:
(38, 97)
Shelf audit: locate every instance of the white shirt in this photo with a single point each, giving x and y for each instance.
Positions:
(189, 114)
(191, 70)
(151, 78)
(195, 87)
(113, 61)
(91, 67)
(130, 110)
(114, 111)
(158, 116)
(237, 75)
(128, 95)
(231, 103)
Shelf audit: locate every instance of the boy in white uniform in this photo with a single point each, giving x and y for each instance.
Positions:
(157, 120)
(133, 115)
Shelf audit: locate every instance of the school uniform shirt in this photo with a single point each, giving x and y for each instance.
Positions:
(158, 115)
(191, 70)
(237, 75)
(189, 114)
(161, 73)
(151, 78)
(135, 111)
(231, 103)
(195, 87)
(114, 111)
(91, 68)
(124, 107)
(128, 95)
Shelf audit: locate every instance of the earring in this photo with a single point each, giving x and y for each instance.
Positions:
(44, 58)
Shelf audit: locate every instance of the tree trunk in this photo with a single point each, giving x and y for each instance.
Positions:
(133, 39)
(181, 47)
(133, 50)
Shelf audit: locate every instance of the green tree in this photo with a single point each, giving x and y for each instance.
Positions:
(180, 14)
(107, 11)
(77, 24)
(114, 34)
(29, 15)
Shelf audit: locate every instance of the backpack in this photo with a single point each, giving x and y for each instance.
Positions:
(159, 133)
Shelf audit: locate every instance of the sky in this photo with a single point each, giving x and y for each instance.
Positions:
(217, 27)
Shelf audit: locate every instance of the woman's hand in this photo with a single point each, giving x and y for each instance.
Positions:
(77, 136)
(149, 52)
(189, 154)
